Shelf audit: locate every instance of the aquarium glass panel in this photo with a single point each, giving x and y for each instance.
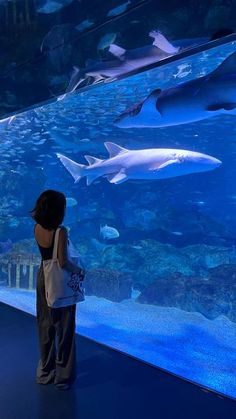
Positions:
(153, 221)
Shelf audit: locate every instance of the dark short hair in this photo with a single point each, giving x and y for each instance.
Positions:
(49, 209)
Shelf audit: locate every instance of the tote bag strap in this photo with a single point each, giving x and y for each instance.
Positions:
(54, 255)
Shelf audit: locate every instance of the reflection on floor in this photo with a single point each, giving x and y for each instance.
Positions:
(186, 344)
(109, 385)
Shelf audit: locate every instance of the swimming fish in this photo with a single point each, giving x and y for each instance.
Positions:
(119, 9)
(109, 232)
(106, 41)
(71, 202)
(147, 164)
(84, 25)
(195, 100)
(52, 6)
(177, 233)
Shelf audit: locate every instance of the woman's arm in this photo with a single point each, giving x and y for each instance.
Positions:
(64, 261)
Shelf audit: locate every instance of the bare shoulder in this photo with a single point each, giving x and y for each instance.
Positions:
(63, 233)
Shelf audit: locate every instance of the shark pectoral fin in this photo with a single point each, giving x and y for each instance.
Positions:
(92, 160)
(117, 178)
(117, 51)
(168, 163)
(221, 106)
(161, 42)
(90, 178)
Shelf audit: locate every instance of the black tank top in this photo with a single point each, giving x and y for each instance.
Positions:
(46, 252)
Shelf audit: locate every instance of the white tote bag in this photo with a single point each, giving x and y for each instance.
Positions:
(62, 288)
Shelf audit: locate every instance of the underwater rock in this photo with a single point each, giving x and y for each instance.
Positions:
(25, 246)
(150, 213)
(157, 259)
(110, 284)
(168, 291)
(212, 296)
(141, 219)
(204, 257)
(224, 279)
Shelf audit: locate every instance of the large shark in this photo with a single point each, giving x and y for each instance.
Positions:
(147, 164)
(124, 61)
(204, 97)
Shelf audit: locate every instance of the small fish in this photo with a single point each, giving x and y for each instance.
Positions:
(177, 233)
(15, 171)
(52, 6)
(183, 71)
(200, 203)
(106, 41)
(108, 233)
(40, 142)
(119, 9)
(71, 202)
(84, 25)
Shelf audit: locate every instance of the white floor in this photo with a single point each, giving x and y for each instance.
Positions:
(186, 344)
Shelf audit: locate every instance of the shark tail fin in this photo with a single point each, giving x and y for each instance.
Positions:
(75, 169)
(74, 82)
(162, 43)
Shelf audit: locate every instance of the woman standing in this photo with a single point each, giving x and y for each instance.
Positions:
(56, 326)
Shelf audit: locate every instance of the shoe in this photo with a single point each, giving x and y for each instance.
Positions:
(62, 386)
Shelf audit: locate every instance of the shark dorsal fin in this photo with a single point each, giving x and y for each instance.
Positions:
(117, 51)
(114, 149)
(227, 66)
(161, 42)
(92, 160)
(155, 93)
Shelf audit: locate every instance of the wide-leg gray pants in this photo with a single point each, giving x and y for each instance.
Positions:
(56, 329)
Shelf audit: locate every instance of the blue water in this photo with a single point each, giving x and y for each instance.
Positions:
(177, 236)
